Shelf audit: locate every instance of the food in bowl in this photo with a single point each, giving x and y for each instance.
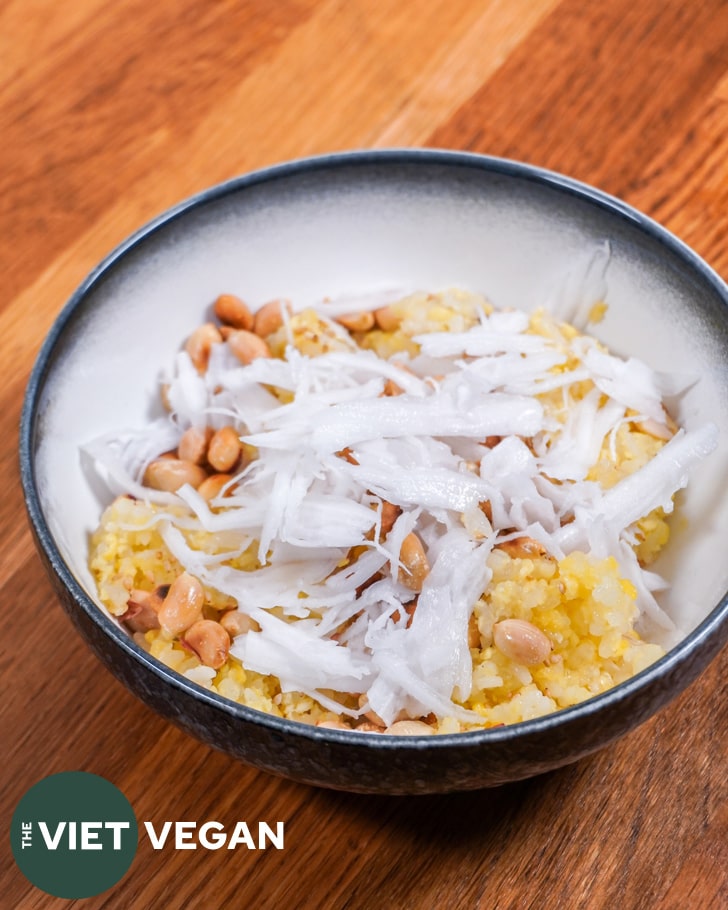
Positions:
(429, 516)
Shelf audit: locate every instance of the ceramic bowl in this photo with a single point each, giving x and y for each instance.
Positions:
(358, 222)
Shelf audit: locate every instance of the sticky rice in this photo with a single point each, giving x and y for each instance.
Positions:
(533, 470)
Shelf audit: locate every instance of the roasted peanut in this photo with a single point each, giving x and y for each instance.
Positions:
(367, 727)
(139, 618)
(490, 442)
(247, 346)
(183, 604)
(657, 430)
(164, 396)
(209, 641)
(410, 728)
(200, 343)
(363, 586)
(236, 623)
(193, 445)
(224, 449)
(332, 725)
(141, 610)
(231, 310)
(347, 455)
(521, 641)
(664, 429)
(269, 318)
(154, 598)
(523, 548)
(168, 474)
(415, 567)
(386, 319)
(409, 609)
(370, 715)
(391, 389)
(390, 513)
(212, 486)
(357, 322)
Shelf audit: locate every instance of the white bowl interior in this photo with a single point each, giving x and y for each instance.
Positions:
(364, 227)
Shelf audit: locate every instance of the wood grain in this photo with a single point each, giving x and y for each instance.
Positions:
(111, 112)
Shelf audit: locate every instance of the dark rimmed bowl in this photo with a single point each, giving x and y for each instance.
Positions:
(359, 222)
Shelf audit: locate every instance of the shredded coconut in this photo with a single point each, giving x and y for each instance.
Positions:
(497, 414)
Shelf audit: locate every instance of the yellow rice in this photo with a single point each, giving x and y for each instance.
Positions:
(582, 604)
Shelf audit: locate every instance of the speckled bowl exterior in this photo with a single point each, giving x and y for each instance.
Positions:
(326, 226)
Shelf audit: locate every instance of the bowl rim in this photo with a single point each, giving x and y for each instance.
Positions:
(676, 655)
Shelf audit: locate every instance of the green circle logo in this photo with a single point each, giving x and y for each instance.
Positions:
(74, 834)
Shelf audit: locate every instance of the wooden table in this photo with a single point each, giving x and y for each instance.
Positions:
(109, 113)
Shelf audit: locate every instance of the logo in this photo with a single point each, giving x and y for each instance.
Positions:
(74, 834)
